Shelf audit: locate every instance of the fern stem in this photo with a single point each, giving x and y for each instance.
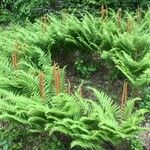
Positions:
(64, 15)
(119, 14)
(14, 56)
(129, 25)
(69, 87)
(42, 84)
(81, 91)
(57, 79)
(14, 60)
(124, 94)
(106, 11)
(138, 13)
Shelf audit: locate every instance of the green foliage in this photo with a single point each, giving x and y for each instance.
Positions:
(25, 81)
(5, 17)
(13, 138)
(77, 40)
(89, 123)
(85, 69)
(34, 8)
(136, 144)
(29, 8)
(115, 4)
(146, 97)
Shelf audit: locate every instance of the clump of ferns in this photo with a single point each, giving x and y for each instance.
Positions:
(73, 31)
(130, 53)
(28, 79)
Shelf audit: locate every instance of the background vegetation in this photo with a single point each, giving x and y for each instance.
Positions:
(16, 9)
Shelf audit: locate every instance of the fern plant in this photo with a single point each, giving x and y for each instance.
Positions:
(31, 79)
(130, 53)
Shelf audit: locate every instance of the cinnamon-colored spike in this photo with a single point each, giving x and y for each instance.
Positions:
(124, 94)
(14, 56)
(14, 60)
(42, 84)
(57, 79)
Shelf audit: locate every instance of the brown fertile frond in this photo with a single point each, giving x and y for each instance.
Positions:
(14, 60)
(42, 84)
(124, 96)
(15, 55)
(57, 78)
